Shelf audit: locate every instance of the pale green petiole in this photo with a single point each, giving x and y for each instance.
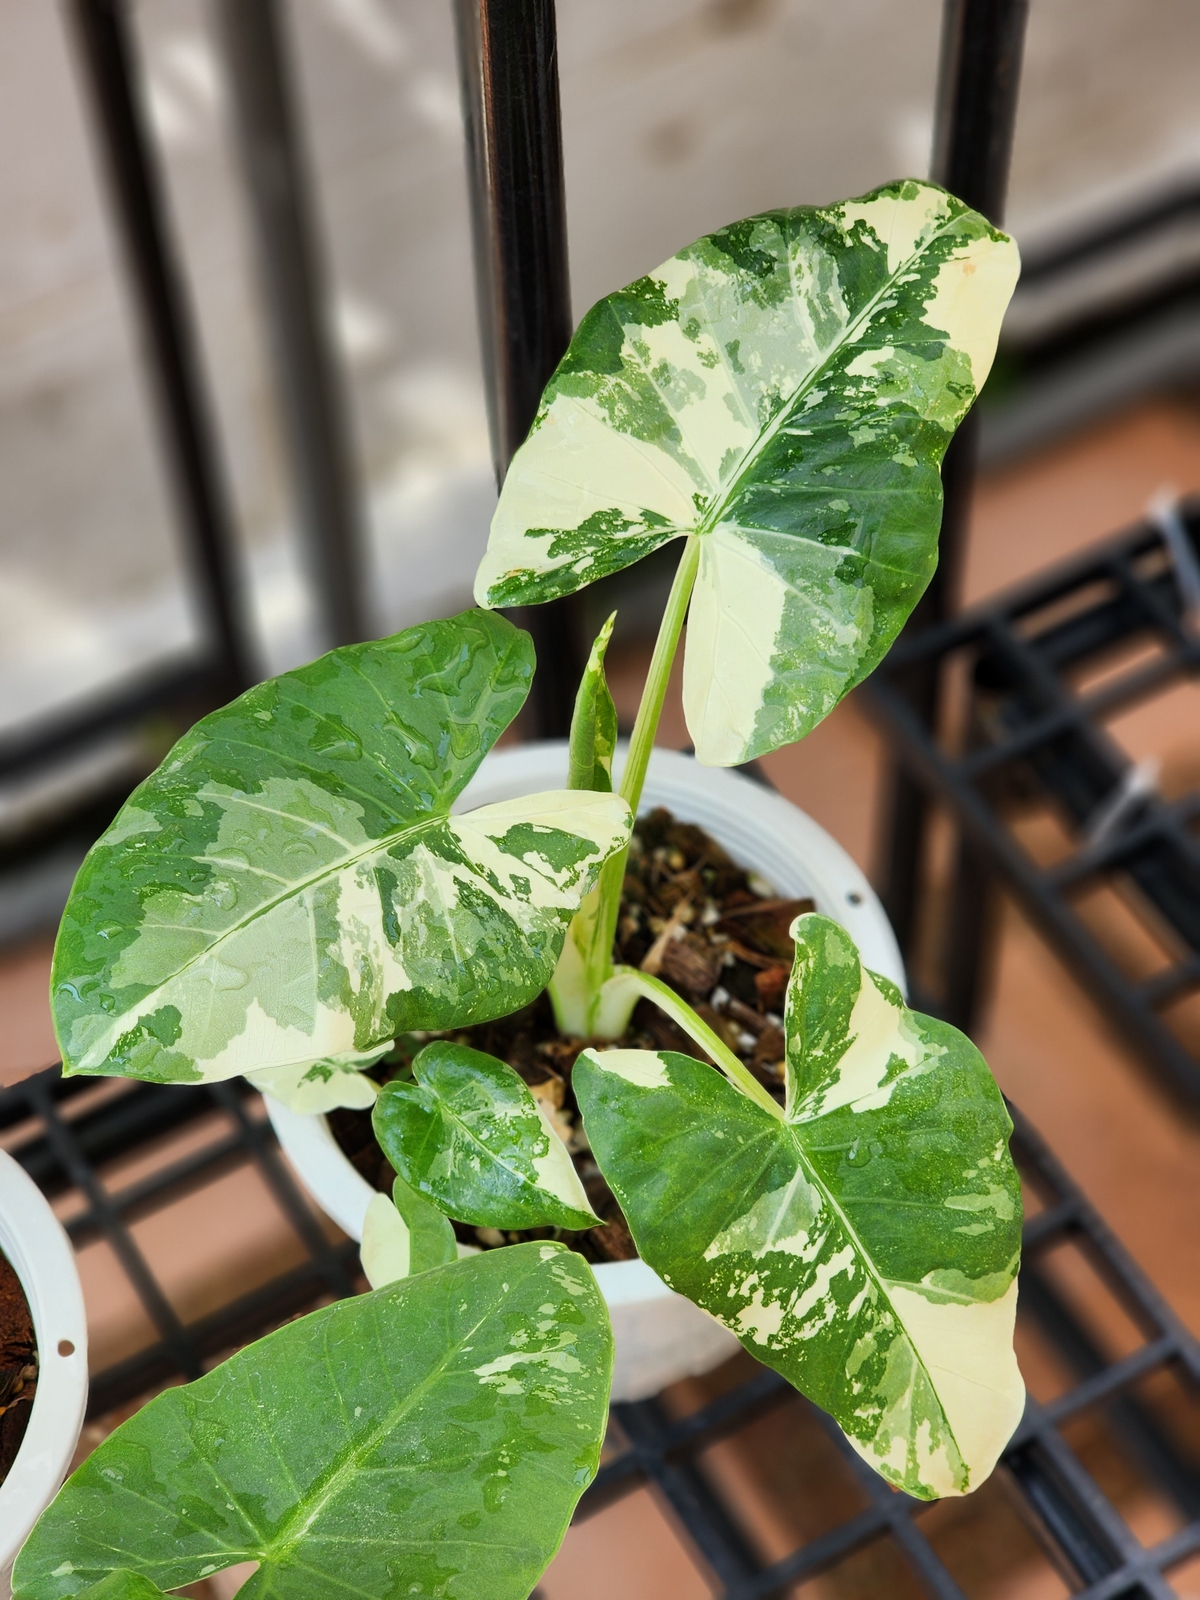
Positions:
(585, 969)
(664, 997)
(654, 693)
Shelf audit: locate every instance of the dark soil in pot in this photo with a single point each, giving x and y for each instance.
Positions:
(18, 1365)
(690, 916)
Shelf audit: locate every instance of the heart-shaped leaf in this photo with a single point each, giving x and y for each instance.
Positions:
(784, 391)
(289, 887)
(866, 1243)
(469, 1134)
(403, 1236)
(430, 1438)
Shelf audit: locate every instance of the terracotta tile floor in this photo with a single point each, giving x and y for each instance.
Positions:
(1048, 1046)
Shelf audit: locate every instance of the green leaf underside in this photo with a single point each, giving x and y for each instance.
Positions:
(322, 1087)
(289, 889)
(594, 722)
(404, 1236)
(123, 1586)
(866, 1244)
(430, 1439)
(470, 1135)
(784, 388)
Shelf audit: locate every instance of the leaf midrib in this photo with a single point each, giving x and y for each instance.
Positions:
(872, 1272)
(716, 512)
(461, 1127)
(328, 869)
(345, 1461)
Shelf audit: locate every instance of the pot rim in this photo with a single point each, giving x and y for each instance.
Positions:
(36, 1244)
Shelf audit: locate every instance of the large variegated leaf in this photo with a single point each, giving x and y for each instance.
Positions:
(289, 888)
(468, 1133)
(865, 1244)
(429, 1439)
(783, 390)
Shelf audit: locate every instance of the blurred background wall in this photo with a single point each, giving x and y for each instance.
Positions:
(679, 115)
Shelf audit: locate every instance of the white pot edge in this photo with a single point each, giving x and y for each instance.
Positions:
(660, 1336)
(33, 1239)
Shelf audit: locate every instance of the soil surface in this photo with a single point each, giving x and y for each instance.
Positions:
(717, 934)
(18, 1365)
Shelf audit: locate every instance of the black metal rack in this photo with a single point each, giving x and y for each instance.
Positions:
(71, 1135)
(1047, 665)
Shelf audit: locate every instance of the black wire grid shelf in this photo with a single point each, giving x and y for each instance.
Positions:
(73, 1137)
(1048, 666)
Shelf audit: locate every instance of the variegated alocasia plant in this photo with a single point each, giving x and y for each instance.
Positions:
(292, 890)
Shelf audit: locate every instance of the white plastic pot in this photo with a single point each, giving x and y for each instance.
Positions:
(660, 1335)
(34, 1242)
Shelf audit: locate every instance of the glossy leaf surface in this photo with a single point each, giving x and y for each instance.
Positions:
(866, 1243)
(403, 1236)
(469, 1134)
(429, 1439)
(594, 722)
(784, 391)
(288, 888)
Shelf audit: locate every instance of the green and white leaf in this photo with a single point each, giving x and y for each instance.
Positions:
(431, 1438)
(325, 1086)
(865, 1243)
(403, 1236)
(783, 391)
(593, 739)
(289, 887)
(469, 1134)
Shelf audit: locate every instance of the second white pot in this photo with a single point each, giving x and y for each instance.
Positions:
(660, 1336)
(32, 1238)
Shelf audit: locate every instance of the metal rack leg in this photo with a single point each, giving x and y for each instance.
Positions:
(978, 77)
(107, 57)
(508, 62)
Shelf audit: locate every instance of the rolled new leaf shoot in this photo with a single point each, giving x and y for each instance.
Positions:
(594, 722)
(290, 889)
(403, 1236)
(779, 395)
(469, 1135)
(865, 1242)
(430, 1438)
(585, 962)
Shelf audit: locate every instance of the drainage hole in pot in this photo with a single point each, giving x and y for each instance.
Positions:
(854, 897)
(65, 1347)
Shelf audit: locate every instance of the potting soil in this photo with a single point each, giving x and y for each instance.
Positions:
(690, 916)
(18, 1365)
